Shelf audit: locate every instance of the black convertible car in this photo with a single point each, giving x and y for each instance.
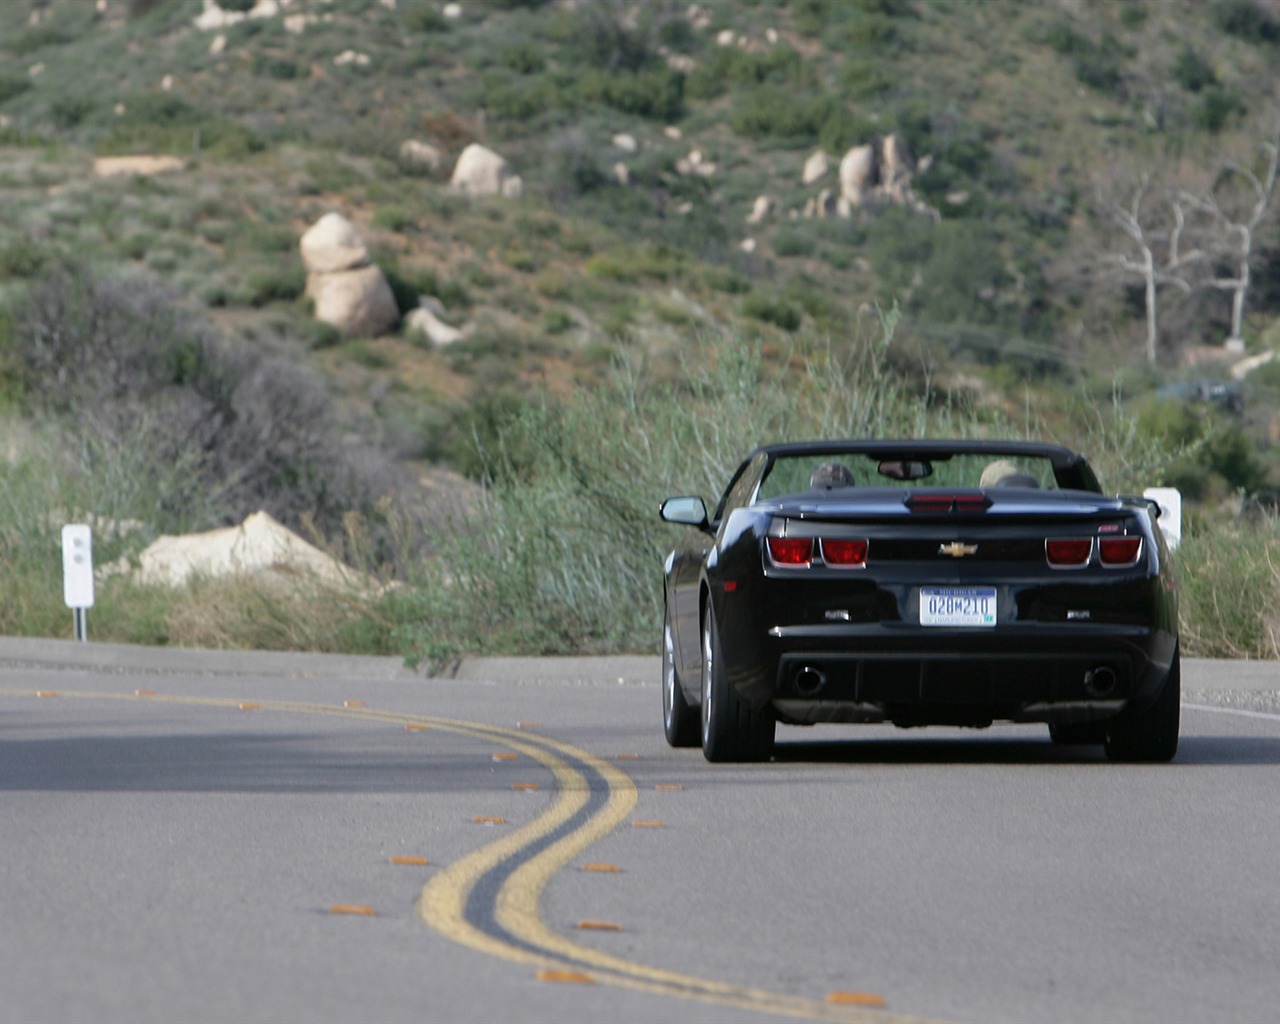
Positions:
(919, 583)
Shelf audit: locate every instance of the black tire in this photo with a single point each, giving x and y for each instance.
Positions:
(679, 720)
(1078, 734)
(1150, 734)
(731, 729)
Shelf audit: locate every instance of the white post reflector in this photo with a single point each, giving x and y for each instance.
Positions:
(1170, 522)
(77, 566)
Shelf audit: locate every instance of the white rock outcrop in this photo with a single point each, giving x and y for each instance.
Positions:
(258, 546)
(332, 244)
(482, 172)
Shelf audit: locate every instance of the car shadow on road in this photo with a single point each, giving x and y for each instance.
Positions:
(1192, 750)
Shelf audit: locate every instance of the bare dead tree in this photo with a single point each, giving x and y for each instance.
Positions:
(1158, 237)
(1234, 208)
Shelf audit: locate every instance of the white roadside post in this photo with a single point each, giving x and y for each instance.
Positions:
(77, 574)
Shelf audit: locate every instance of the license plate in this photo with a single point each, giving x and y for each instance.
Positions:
(957, 606)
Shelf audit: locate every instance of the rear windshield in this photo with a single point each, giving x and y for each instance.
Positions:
(793, 474)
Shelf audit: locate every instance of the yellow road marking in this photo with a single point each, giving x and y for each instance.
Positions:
(442, 904)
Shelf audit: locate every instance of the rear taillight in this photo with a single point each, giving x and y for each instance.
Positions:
(1068, 552)
(1119, 551)
(792, 551)
(844, 554)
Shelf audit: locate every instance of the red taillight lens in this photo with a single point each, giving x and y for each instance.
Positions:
(791, 550)
(1119, 550)
(1070, 553)
(845, 554)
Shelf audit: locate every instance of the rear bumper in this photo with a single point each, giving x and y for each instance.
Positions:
(962, 677)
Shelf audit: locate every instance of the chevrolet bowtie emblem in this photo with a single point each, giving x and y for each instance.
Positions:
(957, 550)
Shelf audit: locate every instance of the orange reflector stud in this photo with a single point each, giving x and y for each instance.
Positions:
(627, 757)
(599, 926)
(415, 727)
(525, 785)
(505, 757)
(565, 977)
(413, 861)
(353, 703)
(250, 707)
(352, 908)
(612, 869)
(855, 999)
(528, 725)
(144, 693)
(639, 823)
(670, 786)
(46, 693)
(486, 819)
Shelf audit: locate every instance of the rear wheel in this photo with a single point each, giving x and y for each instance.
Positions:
(731, 729)
(679, 720)
(1150, 734)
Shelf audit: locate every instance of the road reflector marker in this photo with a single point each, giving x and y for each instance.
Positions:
(565, 977)
(415, 727)
(353, 703)
(641, 823)
(627, 757)
(144, 693)
(249, 707)
(505, 757)
(489, 819)
(415, 861)
(670, 786)
(46, 693)
(352, 908)
(599, 926)
(525, 785)
(528, 725)
(612, 869)
(855, 999)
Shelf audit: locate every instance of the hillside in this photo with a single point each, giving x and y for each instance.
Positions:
(673, 190)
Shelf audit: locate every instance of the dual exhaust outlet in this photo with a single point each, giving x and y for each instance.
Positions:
(1100, 681)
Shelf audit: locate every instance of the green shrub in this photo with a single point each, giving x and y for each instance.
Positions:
(655, 94)
(772, 309)
(1193, 72)
(1230, 589)
(1216, 108)
(1246, 20)
(278, 284)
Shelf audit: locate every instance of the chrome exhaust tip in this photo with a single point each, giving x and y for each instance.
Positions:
(1100, 682)
(810, 680)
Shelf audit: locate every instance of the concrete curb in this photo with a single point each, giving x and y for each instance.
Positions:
(39, 652)
(1197, 673)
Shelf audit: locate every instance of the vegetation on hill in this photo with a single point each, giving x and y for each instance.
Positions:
(160, 362)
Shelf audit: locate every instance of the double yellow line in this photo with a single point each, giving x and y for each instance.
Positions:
(592, 798)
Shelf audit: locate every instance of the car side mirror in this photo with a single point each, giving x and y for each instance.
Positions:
(686, 511)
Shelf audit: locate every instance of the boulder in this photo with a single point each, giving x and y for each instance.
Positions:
(482, 172)
(420, 157)
(358, 302)
(760, 210)
(895, 161)
(109, 166)
(815, 168)
(332, 244)
(436, 330)
(858, 173)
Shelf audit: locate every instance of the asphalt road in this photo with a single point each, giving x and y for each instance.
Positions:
(189, 836)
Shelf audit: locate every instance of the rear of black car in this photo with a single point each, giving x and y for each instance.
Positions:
(950, 607)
